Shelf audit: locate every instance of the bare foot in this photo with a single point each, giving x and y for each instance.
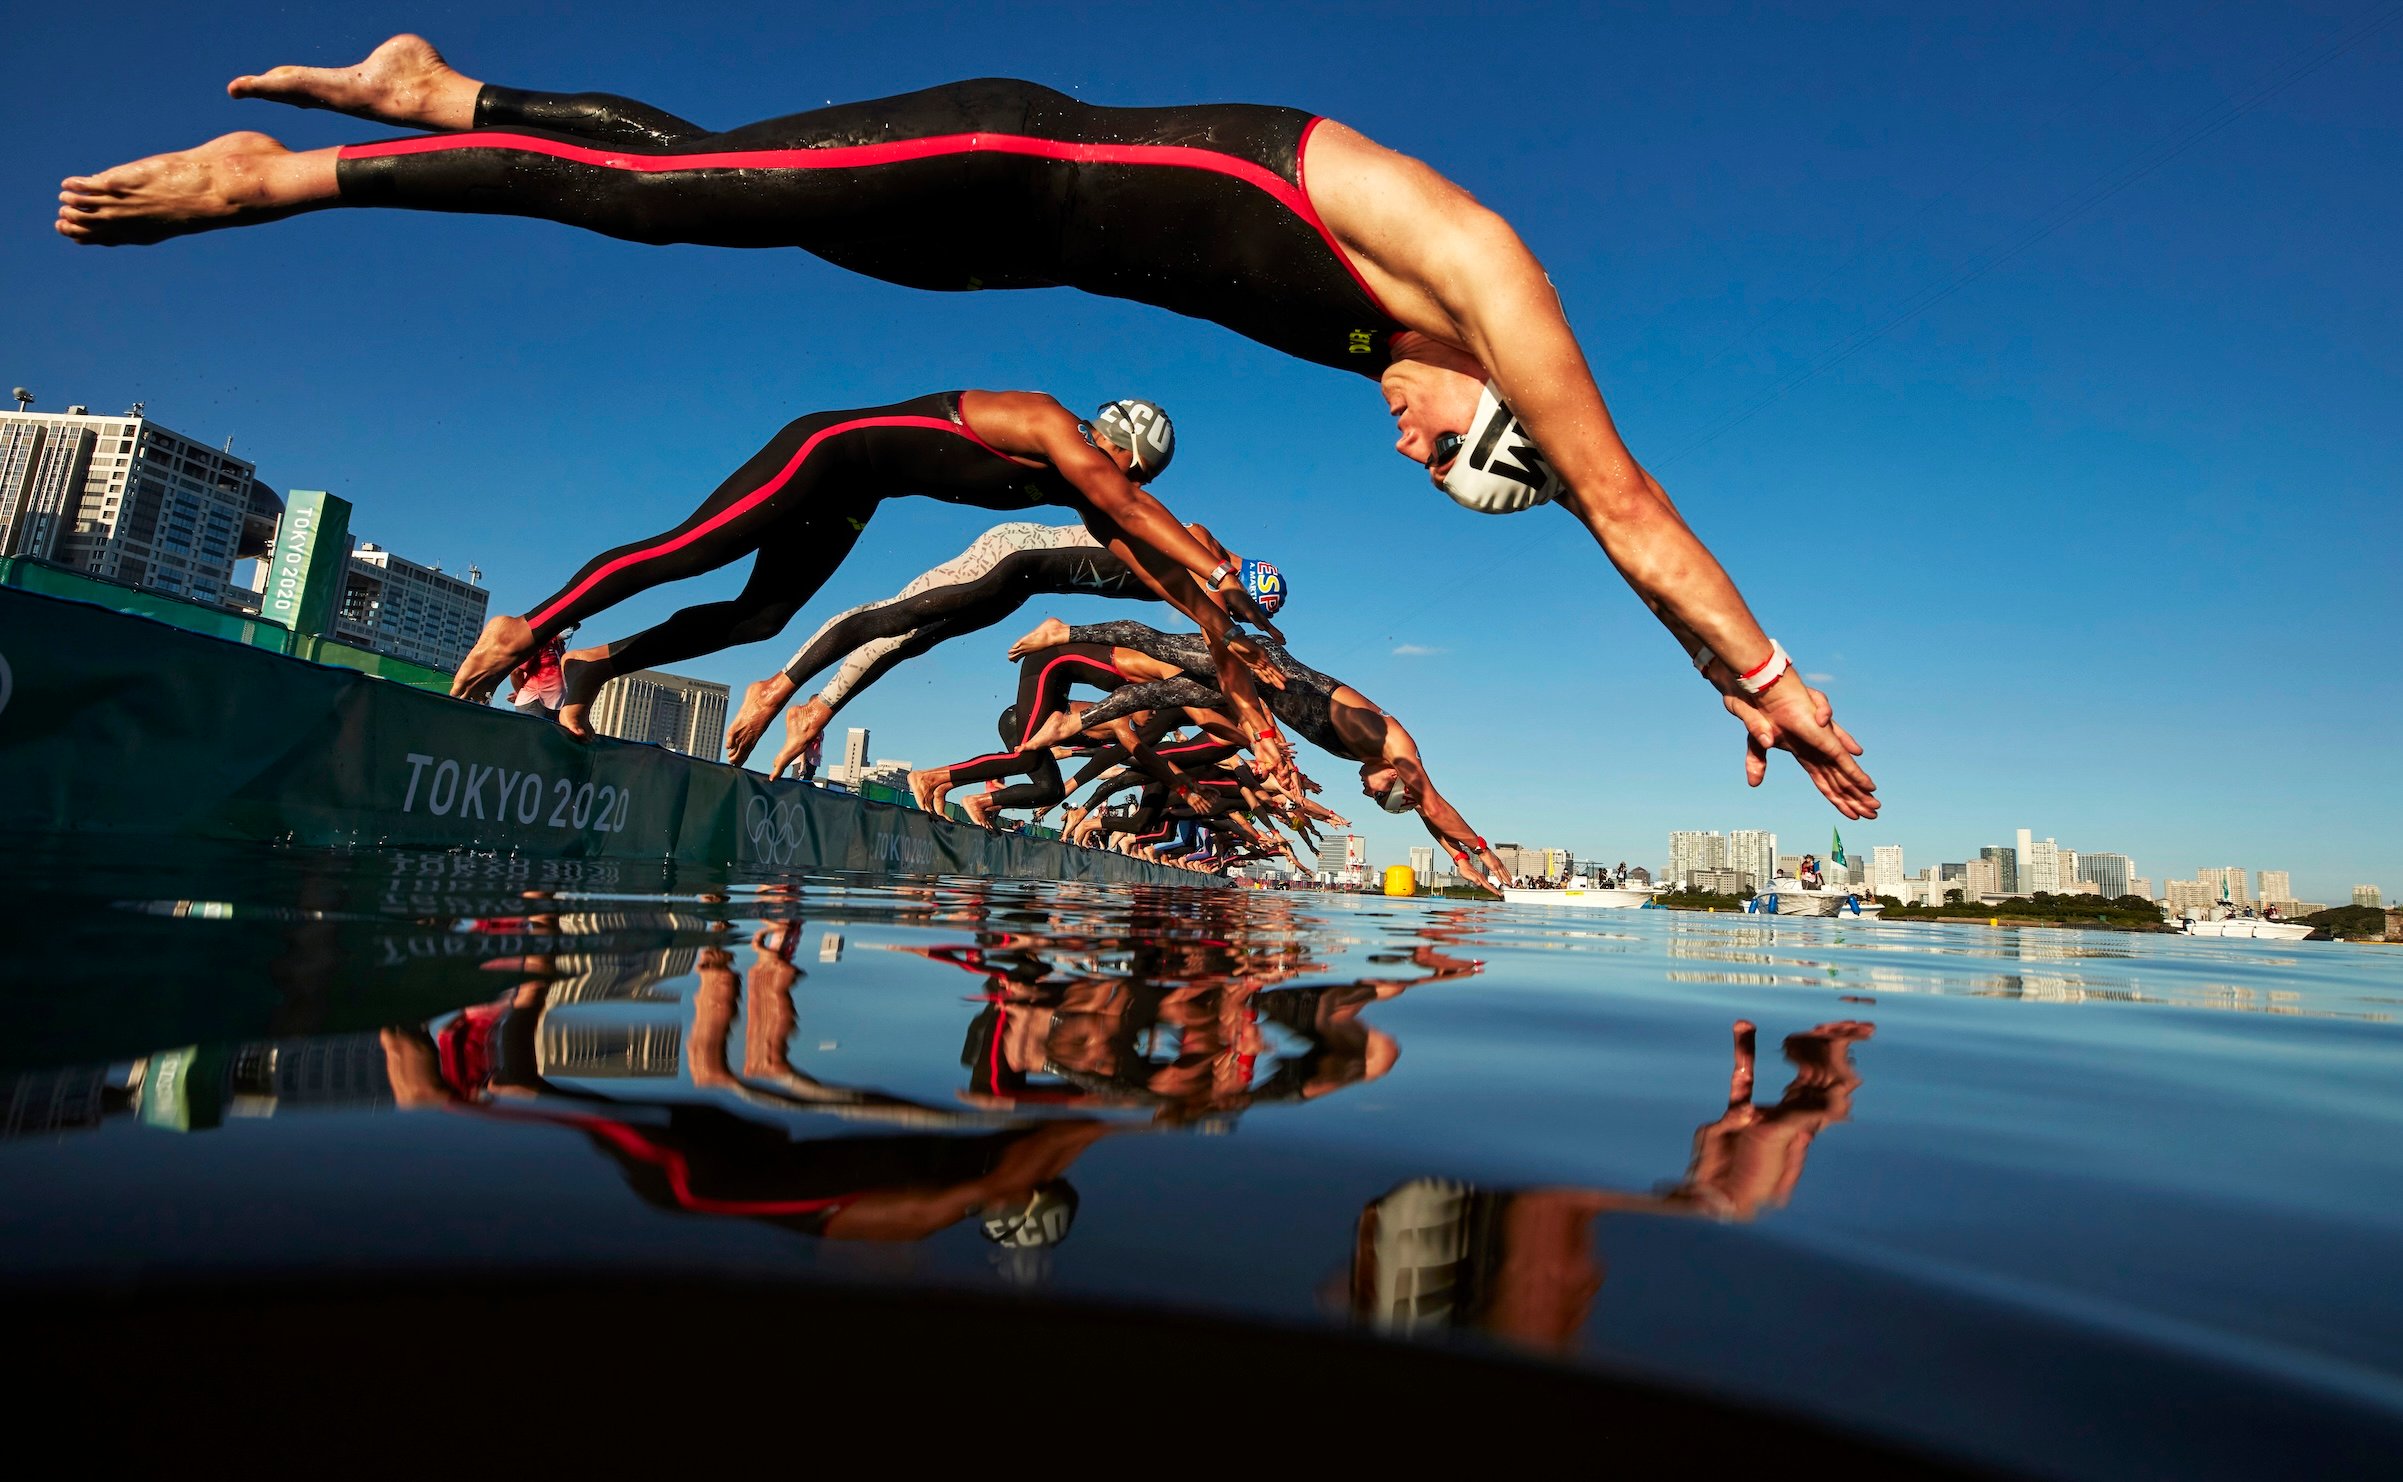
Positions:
(1049, 633)
(582, 672)
(233, 180)
(980, 809)
(927, 786)
(803, 724)
(404, 81)
(505, 643)
(760, 699)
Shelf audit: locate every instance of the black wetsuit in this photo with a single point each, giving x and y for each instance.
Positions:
(800, 504)
(1044, 679)
(1306, 703)
(994, 183)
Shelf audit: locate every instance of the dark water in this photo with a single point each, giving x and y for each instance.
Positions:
(2073, 1203)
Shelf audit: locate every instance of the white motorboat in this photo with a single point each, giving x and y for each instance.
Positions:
(1788, 897)
(1587, 897)
(2255, 928)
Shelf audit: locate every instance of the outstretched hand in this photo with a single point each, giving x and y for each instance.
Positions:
(1250, 656)
(1239, 603)
(1794, 718)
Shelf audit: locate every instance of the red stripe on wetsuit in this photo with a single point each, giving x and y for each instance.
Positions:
(1293, 197)
(752, 500)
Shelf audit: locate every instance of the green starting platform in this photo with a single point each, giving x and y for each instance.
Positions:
(117, 723)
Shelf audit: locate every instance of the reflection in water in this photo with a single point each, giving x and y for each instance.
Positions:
(1419, 1119)
(1522, 1264)
(1796, 956)
(1186, 1010)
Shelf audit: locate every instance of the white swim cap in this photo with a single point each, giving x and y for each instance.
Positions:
(1143, 430)
(1499, 471)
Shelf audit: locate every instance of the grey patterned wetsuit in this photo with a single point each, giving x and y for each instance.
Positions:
(973, 590)
(1306, 703)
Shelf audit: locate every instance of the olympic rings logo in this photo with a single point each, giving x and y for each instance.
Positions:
(776, 829)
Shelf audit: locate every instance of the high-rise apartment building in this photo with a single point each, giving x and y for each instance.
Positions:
(2189, 895)
(420, 613)
(2006, 867)
(1340, 852)
(125, 498)
(2277, 885)
(1422, 865)
(1695, 850)
(670, 710)
(2367, 895)
(1982, 876)
(2141, 885)
(1753, 852)
(2230, 882)
(2112, 874)
(855, 756)
(2039, 865)
(1885, 870)
(2021, 882)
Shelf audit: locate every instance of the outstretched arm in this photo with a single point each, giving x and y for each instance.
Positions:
(1476, 285)
(1467, 848)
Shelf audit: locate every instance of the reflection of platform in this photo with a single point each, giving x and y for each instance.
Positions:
(119, 725)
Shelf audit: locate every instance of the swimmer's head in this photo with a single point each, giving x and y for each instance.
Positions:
(1493, 466)
(1382, 781)
(1266, 585)
(1454, 423)
(1140, 430)
(1044, 1219)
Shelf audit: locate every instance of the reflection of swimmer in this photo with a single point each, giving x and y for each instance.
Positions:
(1522, 1264)
(982, 585)
(1290, 229)
(1230, 1042)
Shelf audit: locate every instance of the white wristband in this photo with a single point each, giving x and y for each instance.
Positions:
(1701, 655)
(1771, 670)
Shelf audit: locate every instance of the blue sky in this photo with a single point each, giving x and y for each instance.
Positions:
(2032, 369)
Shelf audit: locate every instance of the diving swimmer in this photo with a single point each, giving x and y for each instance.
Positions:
(800, 503)
(1322, 710)
(1288, 228)
(994, 577)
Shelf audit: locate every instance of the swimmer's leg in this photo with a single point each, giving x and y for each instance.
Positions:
(786, 182)
(768, 493)
(786, 574)
(406, 83)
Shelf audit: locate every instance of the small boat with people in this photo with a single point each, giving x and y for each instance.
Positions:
(1585, 894)
(2246, 924)
(1786, 896)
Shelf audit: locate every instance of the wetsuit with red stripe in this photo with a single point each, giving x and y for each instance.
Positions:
(1044, 680)
(799, 504)
(994, 183)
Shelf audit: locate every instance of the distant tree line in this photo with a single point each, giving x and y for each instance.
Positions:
(2359, 922)
(2127, 911)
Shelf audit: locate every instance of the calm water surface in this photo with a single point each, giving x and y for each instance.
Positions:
(2076, 1202)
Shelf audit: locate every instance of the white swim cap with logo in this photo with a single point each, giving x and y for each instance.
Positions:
(1499, 471)
(1143, 430)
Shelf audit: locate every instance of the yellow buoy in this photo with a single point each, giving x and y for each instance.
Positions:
(1401, 880)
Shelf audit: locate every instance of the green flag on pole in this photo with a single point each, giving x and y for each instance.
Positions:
(1835, 851)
